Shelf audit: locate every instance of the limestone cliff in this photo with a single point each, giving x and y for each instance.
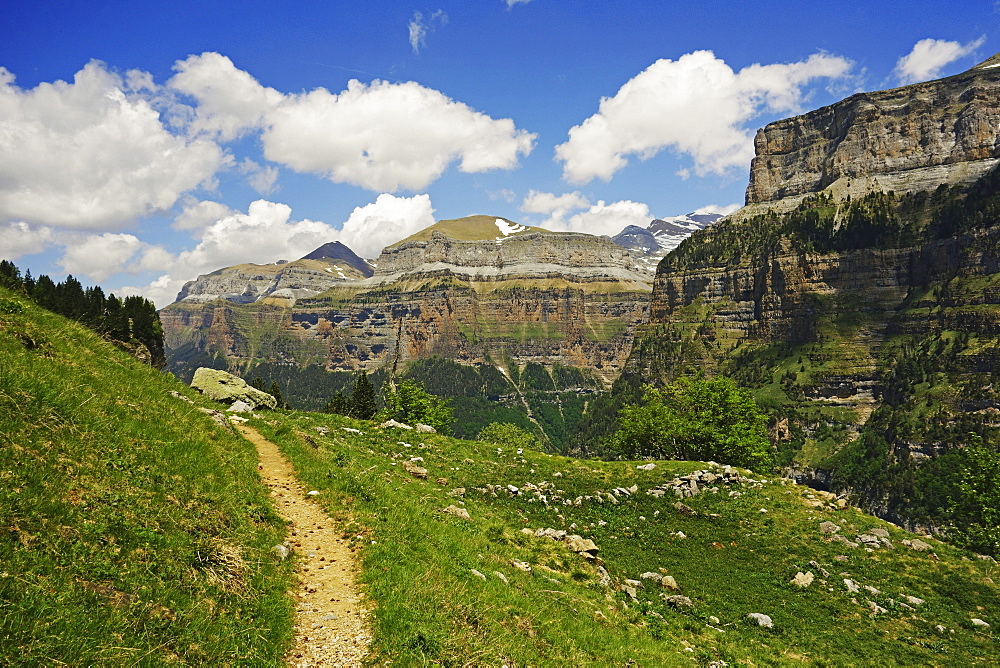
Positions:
(480, 290)
(906, 139)
(868, 326)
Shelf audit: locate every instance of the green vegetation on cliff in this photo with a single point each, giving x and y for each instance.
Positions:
(867, 329)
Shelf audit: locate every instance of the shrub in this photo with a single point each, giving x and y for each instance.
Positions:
(411, 403)
(695, 420)
(507, 435)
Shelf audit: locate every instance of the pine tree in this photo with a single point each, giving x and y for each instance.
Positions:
(338, 404)
(275, 391)
(364, 401)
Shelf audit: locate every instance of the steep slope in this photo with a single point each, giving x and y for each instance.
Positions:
(135, 529)
(865, 324)
(493, 295)
(906, 139)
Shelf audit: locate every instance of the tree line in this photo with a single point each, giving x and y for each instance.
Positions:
(130, 320)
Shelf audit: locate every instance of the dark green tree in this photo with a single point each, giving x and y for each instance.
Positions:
(339, 404)
(364, 401)
(698, 419)
(412, 404)
(275, 391)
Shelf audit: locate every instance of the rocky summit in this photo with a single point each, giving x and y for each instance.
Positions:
(281, 282)
(907, 139)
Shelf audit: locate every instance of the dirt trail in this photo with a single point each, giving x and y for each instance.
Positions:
(331, 622)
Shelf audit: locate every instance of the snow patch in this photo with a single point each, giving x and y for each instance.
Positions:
(507, 229)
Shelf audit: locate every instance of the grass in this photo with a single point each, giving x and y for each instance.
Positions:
(132, 530)
(735, 559)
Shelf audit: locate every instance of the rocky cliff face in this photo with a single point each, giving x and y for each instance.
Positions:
(905, 139)
(869, 327)
(519, 295)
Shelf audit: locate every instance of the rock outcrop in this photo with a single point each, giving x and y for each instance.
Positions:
(227, 388)
(904, 140)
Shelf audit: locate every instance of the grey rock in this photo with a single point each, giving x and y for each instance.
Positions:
(583, 546)
(501, 577)
(761, 619)
(227, 388)
(828, 527)
(392, 424)
(240, 406)
(880, 532)
(282, 551)
(851, 586)
(919, 545)
(414, 470)
(477, 573)
(651, 576)
(913, 600)
(425, 428)
(646, 467)
(677, 601)
(980, 623)
(457, 512)
(803, 579)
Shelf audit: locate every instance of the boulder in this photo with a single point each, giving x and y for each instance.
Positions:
(828, 527)
(678, 601)
(392, 423)
(414, 470)
(227, 388)
(584, 546)
(425, 428)
(803, 579)
(761, 619)
(457, 512)
(240, 406)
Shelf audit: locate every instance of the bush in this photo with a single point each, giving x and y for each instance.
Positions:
(411, 403)
(507, 435)
(695, 420)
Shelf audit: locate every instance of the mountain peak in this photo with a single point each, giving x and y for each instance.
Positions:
(473, 228)
(334, 250)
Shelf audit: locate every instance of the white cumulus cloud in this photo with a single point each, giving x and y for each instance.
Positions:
(17, 238)
(929, 56)
(100, 256)
(230, 101)
(696, 105)
(386, 136)
(197, 215)
(385, 221)
(600, 218)
(381, 136)
(90, 155)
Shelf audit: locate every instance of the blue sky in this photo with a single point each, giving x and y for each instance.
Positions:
(144, 144)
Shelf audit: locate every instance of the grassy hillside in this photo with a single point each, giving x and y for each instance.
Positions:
(732, 552)
(471, 228)
(133, 530)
